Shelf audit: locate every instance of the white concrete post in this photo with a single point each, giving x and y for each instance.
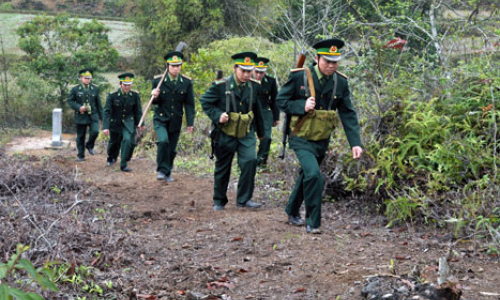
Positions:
(57, 127)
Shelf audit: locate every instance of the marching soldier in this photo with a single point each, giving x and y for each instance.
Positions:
(174, 96)
(234, 108)
(84, 99)
(122, 113)
(270, 112)
(312, 120)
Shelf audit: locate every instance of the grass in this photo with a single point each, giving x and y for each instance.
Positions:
(121, 34)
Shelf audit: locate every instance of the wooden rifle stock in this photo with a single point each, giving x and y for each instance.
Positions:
(145, 112)
(286, 121)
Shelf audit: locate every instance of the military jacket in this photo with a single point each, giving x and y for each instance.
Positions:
(213, 101)
(173, 100)
(292, 99)
(80, 96)
(269, 90)
(122, 110)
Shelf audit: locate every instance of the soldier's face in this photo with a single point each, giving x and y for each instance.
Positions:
(326, 67)
(258, 75)
(126, 87)
(86, 80)
(242, 75)
(174, 70)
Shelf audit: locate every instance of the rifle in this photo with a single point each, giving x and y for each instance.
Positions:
(286, 120)
(138, 136)
(310, 92)
(214, 134)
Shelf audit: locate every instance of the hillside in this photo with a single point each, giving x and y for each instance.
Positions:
(120, 33)
(110, 8)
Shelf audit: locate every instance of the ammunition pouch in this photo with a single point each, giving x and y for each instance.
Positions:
(88, 109)
(239, 124)
(317, 126)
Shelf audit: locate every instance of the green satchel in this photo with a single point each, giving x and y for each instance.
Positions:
(318, 124)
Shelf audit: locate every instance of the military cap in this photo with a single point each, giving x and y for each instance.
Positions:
(126, 78)
(174, 58)
(329, 49)
(261, 64)
(86, 72)
(245, 60)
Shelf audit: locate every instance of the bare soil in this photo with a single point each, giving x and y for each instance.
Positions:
(168, 243)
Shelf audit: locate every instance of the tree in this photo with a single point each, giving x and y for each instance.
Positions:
(164, 23)
(57, 47)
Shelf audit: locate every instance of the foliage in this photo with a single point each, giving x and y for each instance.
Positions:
(165, 23)
(57, 47)
(11, 271)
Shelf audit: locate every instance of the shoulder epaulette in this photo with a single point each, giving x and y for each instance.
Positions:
(343, 75)
(220, 81)
(135, 91)
(255, 80)
(157, 76)
(187, 77)
(296, 70)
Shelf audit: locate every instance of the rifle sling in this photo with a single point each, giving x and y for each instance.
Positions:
(230, 98)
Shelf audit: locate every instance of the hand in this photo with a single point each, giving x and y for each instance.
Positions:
(356, 152)
(190, 129)
(310, 104)
(82, 109)
(276, 123)
(155, 93)
(224, 118)
(106, 131)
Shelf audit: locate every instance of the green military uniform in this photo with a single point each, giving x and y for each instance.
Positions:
(291, 99)
(88, 96)
(214, 104)
(122, 113)
(176, 96)
(270, 111)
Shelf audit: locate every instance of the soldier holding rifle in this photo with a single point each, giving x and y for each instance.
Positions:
(234, 108)
(173, 94)
(310, 97)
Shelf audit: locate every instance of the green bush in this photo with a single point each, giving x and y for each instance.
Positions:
(18, 274)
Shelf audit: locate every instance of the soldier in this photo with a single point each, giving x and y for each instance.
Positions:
(174, 96)
(84, 99)
(122, 114)
(234, 108)
(270, 112)
(313, 119)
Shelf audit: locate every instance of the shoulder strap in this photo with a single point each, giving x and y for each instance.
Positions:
(230, 95)
(251, 97)
(306, 85)
(332, 98)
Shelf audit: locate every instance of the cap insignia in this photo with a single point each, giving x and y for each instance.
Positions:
(333, 49)
(247, 59)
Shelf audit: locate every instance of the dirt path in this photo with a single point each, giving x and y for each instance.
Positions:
(182, 249)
